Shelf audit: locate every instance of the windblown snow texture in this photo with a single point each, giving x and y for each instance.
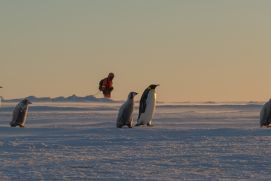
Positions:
(79, 141)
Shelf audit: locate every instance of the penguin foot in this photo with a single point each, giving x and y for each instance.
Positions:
(21, 126)
(150, 125)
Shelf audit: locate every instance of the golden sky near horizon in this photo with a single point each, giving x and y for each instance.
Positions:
(196, 50)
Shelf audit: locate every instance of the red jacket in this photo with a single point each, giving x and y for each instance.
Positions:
(107, 87)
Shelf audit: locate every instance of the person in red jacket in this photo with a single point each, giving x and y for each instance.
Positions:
(106, 85)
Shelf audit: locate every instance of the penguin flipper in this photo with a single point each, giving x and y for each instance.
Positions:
(119, 123)
(142, 104)
(142, 108)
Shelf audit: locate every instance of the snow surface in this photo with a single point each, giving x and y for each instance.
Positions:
(79, 141)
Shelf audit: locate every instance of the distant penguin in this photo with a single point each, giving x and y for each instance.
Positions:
(20, 114)
(125, 116)
(147, 106)
(265, 115)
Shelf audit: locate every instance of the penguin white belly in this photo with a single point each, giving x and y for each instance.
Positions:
(24, 115)
(146, 117)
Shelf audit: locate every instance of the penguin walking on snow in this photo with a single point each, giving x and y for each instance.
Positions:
(20, 114)
(265, 115)
(147, 106)
(125, 116)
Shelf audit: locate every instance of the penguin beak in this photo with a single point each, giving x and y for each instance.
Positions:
(29, 102)
(157, 85)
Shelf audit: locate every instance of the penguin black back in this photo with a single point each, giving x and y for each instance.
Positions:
(142, 104)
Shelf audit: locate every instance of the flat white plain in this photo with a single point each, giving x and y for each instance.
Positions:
(79, 141)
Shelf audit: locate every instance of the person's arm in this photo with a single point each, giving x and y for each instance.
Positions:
(104, 85)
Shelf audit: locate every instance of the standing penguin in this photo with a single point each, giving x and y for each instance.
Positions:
(265, 115)
(147, 106)
(20, 114)
(0, 97)
(125, 116)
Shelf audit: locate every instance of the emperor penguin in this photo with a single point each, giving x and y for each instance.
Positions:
(147, 106)
(20, 114)
(265, 114)
(0, 97)
(125, 116)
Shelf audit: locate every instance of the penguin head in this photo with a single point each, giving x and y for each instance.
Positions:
(153, 86)
(26, 101)
(132, 95)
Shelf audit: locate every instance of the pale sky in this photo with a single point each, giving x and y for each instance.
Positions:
(197, 50)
